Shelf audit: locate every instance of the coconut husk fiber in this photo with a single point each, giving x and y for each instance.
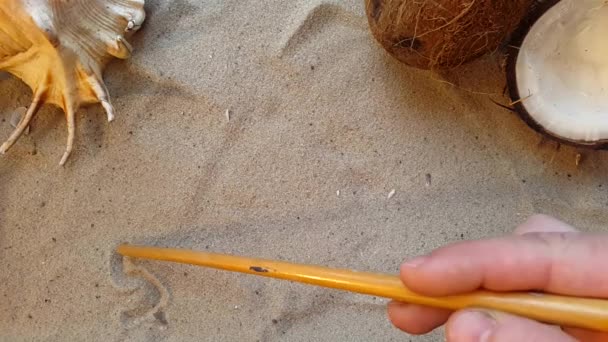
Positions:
(441, 34)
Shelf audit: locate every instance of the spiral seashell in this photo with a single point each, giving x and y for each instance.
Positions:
(59, 48)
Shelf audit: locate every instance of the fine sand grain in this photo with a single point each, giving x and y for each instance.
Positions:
(273, 129)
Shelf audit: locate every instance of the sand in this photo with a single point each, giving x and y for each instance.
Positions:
(317, 108)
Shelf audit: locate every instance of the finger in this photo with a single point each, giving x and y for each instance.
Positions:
(414, 319)
(485, 326)
(561, 263)
(586, 335)
(543, 224)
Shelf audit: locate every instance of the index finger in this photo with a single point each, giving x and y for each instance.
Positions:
(567, 263)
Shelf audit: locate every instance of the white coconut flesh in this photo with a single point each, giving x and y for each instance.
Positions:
(562, 70)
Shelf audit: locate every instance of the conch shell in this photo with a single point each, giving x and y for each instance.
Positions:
(59, 49)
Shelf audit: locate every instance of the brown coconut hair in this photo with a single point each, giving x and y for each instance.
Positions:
(438, 34)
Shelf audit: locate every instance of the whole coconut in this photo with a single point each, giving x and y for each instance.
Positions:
(440, 34)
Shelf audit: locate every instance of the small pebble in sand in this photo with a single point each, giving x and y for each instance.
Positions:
(391, 194)
(338, 193)
(228, 114)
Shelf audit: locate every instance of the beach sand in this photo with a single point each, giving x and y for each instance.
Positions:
(323, 126)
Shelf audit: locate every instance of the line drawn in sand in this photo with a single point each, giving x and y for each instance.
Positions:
(138, 312)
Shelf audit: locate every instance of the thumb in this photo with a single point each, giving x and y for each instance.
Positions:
(491, 326)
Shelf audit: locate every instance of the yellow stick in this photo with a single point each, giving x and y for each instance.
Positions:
(585, 313)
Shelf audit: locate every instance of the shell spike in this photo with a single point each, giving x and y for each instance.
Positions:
(109, 110)
(123, 48)
(24, 122)
(101, 92)
(70, 118)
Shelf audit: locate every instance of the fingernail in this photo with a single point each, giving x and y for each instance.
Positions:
(415, 262)
(472, 326)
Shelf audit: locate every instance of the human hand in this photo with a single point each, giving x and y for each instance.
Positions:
(544, 254)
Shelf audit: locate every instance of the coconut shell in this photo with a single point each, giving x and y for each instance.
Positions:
(441, 34)
(516, 40)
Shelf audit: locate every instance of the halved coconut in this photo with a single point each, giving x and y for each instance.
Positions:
(558, 71)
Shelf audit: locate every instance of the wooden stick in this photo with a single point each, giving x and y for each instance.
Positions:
(577, 312)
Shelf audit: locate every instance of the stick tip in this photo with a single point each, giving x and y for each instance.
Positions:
(121, 249)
